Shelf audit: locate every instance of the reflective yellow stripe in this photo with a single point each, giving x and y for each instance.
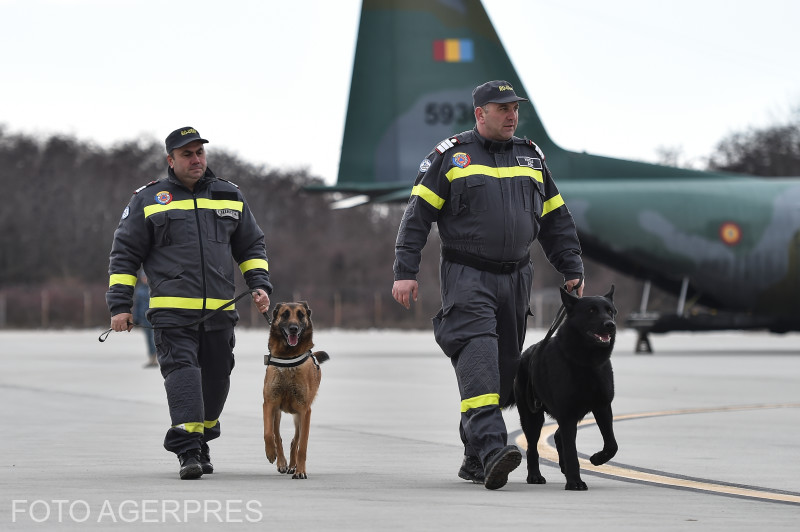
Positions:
(500, 173)
(122, 278)
(254, 263)
(185, 205)
(482, 400)
(192, 303)
(428, 195)
(552, 204)
(205, 203)
(190, 427)
(188, 205)
(197, 427)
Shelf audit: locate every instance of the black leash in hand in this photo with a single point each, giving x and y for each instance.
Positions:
(104, 336)
(560, 315)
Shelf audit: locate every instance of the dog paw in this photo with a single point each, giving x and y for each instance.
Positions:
(601, 458)
(576, 486)
(283, 470)
(300, 475)
(536, 479)
(604, 456)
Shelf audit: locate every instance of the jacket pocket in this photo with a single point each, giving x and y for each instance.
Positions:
(169, 228)
(533, 196)
(476, 193)
(458, 200)
(222, 227)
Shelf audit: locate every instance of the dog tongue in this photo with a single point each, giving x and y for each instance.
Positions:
(293, 339)
(603, 337)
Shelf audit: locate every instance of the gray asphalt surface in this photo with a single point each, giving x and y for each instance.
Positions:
(83, 425)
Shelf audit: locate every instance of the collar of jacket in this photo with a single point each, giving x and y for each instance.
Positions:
(201, 183)
(494, 146)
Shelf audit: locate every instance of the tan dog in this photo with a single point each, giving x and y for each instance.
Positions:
(290, 384)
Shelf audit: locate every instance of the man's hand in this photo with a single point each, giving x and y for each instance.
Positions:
(571, 286)
(122, 322)
(404, 291)
(261, 300)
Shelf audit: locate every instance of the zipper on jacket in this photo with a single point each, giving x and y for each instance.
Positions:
(202, 257)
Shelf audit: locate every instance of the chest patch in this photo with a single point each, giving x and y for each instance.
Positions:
(461, 159)
(228, 213)
(530, 162)
(164, 197)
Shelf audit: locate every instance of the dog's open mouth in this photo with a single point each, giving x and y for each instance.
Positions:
(602, 338)
(293, 339)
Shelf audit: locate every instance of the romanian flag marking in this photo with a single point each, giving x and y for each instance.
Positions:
(453, 50)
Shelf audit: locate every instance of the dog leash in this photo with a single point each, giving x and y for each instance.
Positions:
(560, 315)
(104, 336)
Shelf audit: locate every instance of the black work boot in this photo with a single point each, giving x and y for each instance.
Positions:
(499, 463)
(190, 464)
(471, 469)
(205, 459)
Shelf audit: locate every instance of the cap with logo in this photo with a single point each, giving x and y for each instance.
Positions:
(182, 137)
(497, 91)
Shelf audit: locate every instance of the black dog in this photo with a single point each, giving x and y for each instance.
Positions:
(569, 376)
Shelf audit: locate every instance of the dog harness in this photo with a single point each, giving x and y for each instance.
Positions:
(290, 362)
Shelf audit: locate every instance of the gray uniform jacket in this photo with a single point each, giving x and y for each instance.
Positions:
(490, 199)
(187, 242)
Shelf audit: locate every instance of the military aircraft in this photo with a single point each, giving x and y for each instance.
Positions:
(730, 243)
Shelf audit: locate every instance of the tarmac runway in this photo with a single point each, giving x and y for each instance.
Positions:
(708, 428)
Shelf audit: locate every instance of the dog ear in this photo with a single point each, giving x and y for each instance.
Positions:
(275, 312)
(568, 299)
(308, 310)
(610, 294)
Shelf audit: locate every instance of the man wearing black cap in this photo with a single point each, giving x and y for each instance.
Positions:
(183, 229)
(491, 195)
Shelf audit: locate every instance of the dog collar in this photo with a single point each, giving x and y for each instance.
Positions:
(287, 362)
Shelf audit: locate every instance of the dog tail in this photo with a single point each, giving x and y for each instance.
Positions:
(321, 356)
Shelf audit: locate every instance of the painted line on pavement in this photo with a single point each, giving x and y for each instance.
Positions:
(548, 452)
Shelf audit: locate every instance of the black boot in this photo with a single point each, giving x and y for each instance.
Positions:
(190, 464)
(471, 469)
(499, 463)
(205, 459)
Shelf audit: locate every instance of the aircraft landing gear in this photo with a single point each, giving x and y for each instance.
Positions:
(643, 343)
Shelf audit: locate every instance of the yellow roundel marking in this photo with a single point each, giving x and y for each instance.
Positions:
(730, 233)
(550, 454)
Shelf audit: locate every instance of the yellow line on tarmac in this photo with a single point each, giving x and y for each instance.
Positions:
(549, 453)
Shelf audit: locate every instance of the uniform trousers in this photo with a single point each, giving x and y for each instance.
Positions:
(481, 327)
(196, 365)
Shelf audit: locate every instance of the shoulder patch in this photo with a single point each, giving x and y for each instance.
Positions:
(535, 147)
(424, 165)
(231, 182)
(446, 144)
(144, 187)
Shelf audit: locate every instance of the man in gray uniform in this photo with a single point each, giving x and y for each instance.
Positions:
(184, 229)
(491, 195)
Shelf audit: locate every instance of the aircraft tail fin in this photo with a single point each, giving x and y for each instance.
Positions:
(416, 63)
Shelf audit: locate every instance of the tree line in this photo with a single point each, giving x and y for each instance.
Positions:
(64, 198)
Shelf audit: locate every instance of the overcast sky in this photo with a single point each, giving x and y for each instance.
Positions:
(269, 80)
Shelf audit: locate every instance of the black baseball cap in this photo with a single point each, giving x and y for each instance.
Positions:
(497, 91)
(182, 137)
